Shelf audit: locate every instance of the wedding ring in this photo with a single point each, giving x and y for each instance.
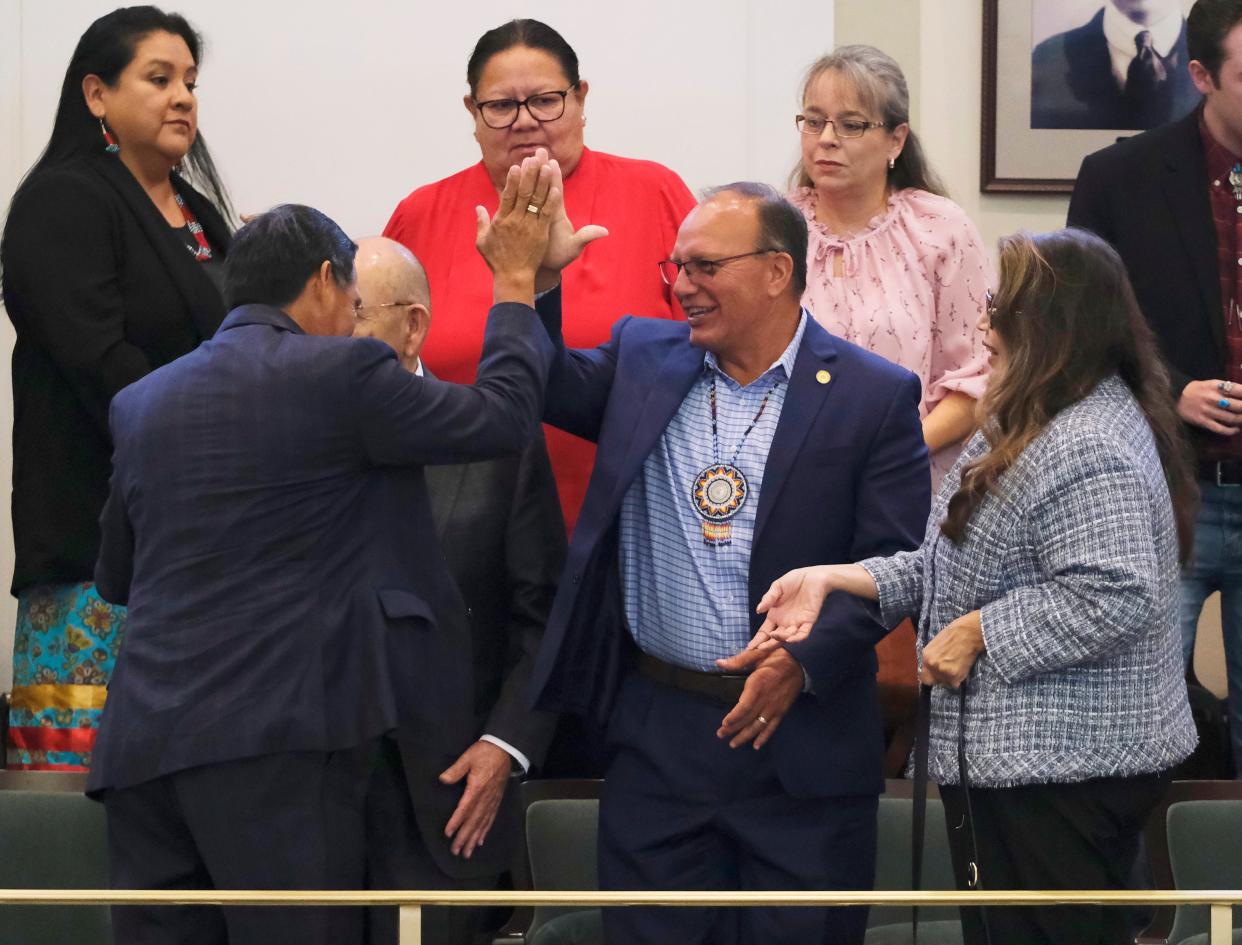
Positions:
(532, 208)
(761, 720)
(1227, 387)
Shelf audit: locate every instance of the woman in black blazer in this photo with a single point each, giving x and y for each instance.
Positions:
(111, 268)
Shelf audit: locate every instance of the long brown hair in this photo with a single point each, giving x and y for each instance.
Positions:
(1068, 319)
(882, 90)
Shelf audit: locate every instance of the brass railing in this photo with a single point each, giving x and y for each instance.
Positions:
(410, 902)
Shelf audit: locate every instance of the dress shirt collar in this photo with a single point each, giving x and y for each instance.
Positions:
(785, 361)
(1120, 31)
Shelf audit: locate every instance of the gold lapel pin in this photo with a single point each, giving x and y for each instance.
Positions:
(823, 377)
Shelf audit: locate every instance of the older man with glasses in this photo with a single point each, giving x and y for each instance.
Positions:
(730, 448)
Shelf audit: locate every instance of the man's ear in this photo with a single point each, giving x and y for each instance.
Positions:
(1200, 76)
(782, 273)
(418, 323)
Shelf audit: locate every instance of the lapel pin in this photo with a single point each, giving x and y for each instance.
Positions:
(823, 377)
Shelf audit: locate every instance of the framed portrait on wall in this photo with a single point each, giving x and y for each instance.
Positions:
(1063, 78)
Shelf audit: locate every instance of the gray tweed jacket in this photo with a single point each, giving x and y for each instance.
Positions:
(1073, 564)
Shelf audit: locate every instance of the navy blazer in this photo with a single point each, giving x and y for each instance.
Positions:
(269, 528)
(847, 477)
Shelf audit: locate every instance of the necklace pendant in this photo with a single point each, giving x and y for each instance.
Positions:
(1235, 181)
(718, 494)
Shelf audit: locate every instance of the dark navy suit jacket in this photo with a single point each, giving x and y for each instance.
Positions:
(1073, 86)
(847, 477)
(269, 528)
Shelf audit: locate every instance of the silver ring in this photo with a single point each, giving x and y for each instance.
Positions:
(761, 720)
(1227, 387)
(532, 208)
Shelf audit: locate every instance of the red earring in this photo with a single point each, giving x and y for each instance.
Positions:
(110, 144)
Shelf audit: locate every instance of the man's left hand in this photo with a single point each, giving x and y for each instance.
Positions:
(948, 658)
(770, 690)
(486, 770)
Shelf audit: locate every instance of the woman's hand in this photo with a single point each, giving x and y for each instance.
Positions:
(565, 244)
(948, 658)
(792, 606)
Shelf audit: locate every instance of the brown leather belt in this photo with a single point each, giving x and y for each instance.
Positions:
(723, 688)
(1226, 472)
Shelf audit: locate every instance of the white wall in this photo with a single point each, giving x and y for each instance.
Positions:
(348, 107)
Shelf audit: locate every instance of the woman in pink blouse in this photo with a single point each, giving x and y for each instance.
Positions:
(893, 265)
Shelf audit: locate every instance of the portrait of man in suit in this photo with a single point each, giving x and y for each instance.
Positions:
(500, 528)
(1125, 68)
(741, 442)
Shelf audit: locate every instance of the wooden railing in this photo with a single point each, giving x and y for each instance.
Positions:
(410, 902)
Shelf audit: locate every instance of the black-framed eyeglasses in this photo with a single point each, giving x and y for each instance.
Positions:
(703, 268)
(501, 113)
(843, 127)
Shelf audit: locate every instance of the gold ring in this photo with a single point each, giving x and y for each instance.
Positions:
(532, 208)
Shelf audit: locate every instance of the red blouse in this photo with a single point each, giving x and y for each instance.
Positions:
(640, 202)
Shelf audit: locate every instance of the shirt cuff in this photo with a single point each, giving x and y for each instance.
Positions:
(509, 750)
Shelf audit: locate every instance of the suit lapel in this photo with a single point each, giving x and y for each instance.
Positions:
(1185, 188)
(202, 301)
(803, 401)
(677, 375)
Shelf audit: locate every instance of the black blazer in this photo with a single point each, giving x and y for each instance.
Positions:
(1148, 196)
(101, 291)
(500, 525)
(1072, 83)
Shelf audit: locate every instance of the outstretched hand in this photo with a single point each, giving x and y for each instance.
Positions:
(792, 606)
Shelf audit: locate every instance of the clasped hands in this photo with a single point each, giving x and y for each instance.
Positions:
(529, 240)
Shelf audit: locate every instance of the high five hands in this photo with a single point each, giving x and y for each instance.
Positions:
(530, 239)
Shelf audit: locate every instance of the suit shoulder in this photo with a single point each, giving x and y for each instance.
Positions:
(869, 366)
(1138, 149)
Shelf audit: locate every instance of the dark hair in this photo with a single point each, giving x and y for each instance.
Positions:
(882, 90)
(1068, 319)
(274, 255)
(530, 33)
(1207, 25)
(105, 49)
(782, 226)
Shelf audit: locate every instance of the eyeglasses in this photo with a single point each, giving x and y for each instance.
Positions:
(844, 127)
(703, 268)
(501, 113)
(359, 308)
(989, 304)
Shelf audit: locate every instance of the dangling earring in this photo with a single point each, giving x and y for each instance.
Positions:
(110, 144)
(892, 162)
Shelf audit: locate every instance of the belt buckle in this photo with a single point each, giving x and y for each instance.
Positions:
(1224, 485)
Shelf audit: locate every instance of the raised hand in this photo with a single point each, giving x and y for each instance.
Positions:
(515, 240)
(565, 244)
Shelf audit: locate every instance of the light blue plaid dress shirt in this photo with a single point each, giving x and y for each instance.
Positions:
(687, 602)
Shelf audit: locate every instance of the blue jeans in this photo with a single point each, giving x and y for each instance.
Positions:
(1217, 566)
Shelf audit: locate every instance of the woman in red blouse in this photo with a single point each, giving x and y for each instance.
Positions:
(525, 93)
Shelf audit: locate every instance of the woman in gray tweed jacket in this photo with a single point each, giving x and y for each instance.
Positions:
(1047, 583)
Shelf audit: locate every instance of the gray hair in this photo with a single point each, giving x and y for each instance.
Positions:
(881, 88)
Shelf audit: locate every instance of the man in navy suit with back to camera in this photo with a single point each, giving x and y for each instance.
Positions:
(1124, 68)
(730, 448)
(269, 529)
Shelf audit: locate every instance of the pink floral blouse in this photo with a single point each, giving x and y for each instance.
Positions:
(911, 289)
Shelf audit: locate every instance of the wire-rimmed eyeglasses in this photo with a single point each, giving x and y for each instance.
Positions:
(844, 127)
(702, 268)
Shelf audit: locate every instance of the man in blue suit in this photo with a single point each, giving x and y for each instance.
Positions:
(269, 528)
(731, 448)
